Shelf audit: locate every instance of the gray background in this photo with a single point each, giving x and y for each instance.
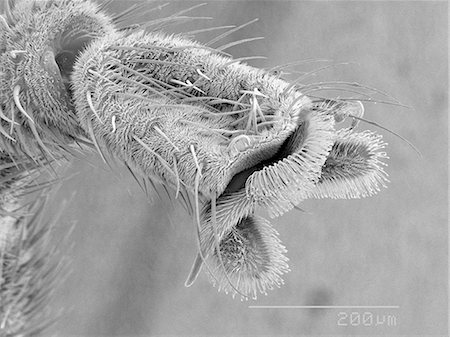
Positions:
(131, 256)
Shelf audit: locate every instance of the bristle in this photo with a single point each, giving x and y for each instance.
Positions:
(153, 185)
(204, 30)
(4, 133)
(194, 156)
(187, 85)
(378, 101)
(104, 5)
(6, 119)
(202, 74)
(390, 131)
(24, 143)
(350, 87)
(146, 87)
(176, 17)
(280, 67)
(159, 24)
(315, 71)
(16, 94)
(177, 176)
(185, 201)
(162, 134)
(94, 141)
(238, 42)
(91, 105)
(135, 177)
(128, 13)
(4, 25)
(203, 47)
(197, 263)
(229, 32)
(150, 150)
(8, 13)
(152, 61)
(113, 123)
(39, 141)
(245, 58)
(362, 86)
(195, 271)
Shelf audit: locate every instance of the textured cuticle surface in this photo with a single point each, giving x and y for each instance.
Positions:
(139, 79)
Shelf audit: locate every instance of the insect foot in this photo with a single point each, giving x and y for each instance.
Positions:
(228, 138)
(232, 136)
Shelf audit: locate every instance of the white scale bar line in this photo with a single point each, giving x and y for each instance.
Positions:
(324, 307)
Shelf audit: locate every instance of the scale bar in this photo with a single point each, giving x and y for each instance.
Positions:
(324, 307)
